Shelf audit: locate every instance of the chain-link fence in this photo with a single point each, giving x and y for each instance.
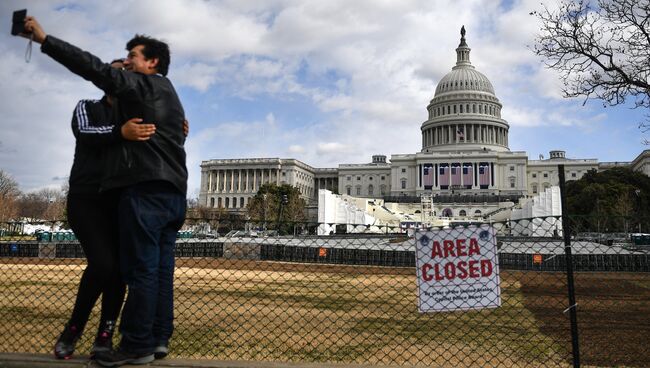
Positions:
(356, 294)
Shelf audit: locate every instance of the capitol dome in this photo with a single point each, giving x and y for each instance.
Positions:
(464, 79)
(465, 113)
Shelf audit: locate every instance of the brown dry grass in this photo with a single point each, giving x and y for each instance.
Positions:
(246, 310)
(613, 312)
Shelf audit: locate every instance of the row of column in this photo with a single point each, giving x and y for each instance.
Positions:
(454, 109)
(465, 133)
(241, 180)
(228, 202)
(477, 179)
(327, 183)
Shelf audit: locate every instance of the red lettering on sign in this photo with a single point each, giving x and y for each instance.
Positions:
(462, 270)
(436, 250)
(473, 247)
(436, 272)
(425, 268)
(449, 248)
(460, 247)
(450, 271)
(473, 269)
(486, 267)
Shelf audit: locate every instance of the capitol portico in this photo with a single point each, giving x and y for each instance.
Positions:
(464, 154)
(230, 183)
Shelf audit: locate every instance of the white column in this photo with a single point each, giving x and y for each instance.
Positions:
(225, 182)
(254, 180)
(239, 180)
(209, 181)
(232, 181)
(247, 178)
(218, 189)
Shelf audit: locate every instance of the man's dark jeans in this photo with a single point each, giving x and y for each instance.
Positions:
(150, 214)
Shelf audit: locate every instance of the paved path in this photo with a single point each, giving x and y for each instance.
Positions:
(11, 360)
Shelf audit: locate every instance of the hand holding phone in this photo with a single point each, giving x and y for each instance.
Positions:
(27, 26)
(18, 22)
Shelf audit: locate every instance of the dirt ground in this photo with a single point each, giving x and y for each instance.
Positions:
(613, 314)
(273, 311)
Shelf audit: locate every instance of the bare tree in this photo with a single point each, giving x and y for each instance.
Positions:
(9, 194)
(45, 204)
(57, 200)
(601, 49)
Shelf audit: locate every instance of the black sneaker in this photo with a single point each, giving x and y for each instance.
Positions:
(160, 351)
(65, 345)
(116, 358)
(104, 339)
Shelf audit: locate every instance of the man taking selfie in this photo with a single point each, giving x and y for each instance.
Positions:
(152, 179)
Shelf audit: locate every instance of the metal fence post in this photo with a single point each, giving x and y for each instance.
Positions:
(566, 226)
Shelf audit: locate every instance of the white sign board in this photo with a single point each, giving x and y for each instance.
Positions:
(457, 269)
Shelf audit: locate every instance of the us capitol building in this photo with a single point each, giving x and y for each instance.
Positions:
(464, 166)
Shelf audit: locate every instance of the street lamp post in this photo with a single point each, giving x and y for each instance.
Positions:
(264, 210)
(638, 199)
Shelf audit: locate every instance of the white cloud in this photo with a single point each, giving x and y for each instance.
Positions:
(197, 75)
(331, 147)
(296, 149)
(364, 71)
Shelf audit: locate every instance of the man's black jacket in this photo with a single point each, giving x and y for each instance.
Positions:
(149, 97)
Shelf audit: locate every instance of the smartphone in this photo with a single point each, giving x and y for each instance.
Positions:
(18, 23)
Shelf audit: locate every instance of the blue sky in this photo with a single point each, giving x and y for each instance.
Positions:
(324, 82)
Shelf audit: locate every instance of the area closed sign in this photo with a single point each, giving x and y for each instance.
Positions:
(457, 269)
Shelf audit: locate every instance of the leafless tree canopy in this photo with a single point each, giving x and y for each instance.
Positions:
(9, 194)
(45, 204)
(601, 49)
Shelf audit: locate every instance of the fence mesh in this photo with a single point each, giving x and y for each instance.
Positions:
(281, 292)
